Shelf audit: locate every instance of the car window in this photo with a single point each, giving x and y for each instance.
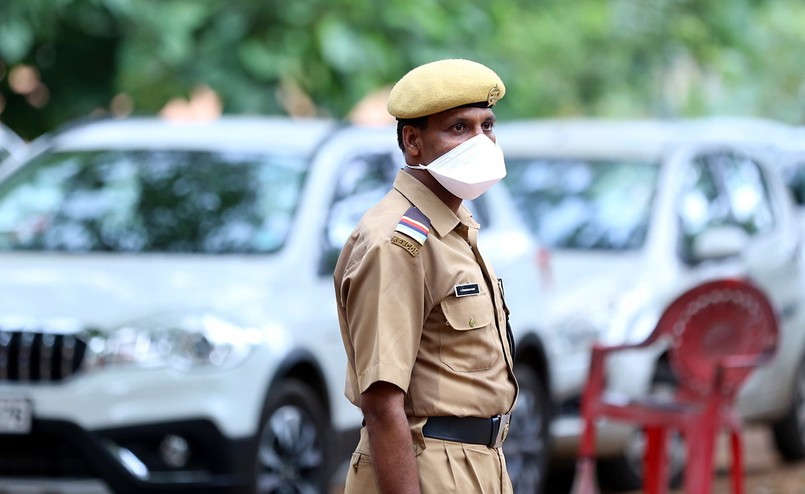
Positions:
(700, 205)
(745, 186)
(584, 203)
(362, 182)
(151, 201)
(723, 189)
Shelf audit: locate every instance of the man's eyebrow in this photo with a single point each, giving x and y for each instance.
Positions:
(464, 119)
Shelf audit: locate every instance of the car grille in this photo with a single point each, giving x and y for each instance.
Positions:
(28, 356)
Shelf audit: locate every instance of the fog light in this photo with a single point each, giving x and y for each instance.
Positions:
(174, 450)
(128, 459)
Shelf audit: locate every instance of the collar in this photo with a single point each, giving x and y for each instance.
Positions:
(441, 217)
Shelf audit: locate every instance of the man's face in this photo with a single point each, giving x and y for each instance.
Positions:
(448, 129)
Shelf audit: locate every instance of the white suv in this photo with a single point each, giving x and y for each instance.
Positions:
(632, 214)
(167, 316)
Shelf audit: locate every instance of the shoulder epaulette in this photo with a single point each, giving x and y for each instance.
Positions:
(412, 226)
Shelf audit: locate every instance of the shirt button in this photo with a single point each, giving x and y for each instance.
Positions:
(472, 321)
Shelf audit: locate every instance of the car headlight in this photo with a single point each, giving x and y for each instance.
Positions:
(188, 343)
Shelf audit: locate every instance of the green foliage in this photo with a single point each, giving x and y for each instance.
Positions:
(585, 57)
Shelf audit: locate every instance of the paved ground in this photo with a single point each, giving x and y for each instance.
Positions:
(765, 472)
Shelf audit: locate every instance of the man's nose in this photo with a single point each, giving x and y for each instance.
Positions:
(479, 129)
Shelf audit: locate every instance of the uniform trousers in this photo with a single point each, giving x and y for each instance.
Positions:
(444, 467)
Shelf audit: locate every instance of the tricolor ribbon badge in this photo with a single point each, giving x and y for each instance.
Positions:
(415, 225)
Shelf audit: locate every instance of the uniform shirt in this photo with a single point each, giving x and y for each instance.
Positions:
(402, 321)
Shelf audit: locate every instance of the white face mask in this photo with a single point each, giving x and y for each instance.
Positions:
(468, 169)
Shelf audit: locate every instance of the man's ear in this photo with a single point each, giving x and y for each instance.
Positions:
(411, 140)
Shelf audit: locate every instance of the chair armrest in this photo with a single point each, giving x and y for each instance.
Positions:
(596, 378)
(606, 349)
(746, 361)
(738, 363)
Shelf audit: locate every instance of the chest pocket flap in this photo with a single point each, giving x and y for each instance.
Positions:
(465, 313)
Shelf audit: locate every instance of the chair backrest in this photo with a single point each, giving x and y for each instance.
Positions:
(718, 319)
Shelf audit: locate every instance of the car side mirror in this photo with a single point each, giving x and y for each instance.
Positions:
(719, 242)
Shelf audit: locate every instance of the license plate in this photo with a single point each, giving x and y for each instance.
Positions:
(15, 416)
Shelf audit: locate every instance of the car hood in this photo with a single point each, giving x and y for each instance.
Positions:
(106, 291)
(576, 280)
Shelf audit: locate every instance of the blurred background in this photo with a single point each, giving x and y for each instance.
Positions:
(185, 257)
(65, 59)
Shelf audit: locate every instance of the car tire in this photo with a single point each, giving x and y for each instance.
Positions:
(526, 447)
(293, 448)
(625, 472)
(789, 432)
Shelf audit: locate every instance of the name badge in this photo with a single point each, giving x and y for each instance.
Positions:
(467, 289)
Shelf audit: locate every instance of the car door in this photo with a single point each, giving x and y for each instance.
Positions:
(771, 251)
(704, 219)
(727, 203)
(732, 195)
(758, 206)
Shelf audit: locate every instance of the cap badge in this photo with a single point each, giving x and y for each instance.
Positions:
(493, 96)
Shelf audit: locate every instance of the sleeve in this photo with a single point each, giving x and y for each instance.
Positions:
(384, 297)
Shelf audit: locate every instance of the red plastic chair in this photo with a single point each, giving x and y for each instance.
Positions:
(717, 333)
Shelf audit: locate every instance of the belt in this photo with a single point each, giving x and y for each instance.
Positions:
(489, 432)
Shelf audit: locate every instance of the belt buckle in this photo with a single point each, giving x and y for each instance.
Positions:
(502, 430)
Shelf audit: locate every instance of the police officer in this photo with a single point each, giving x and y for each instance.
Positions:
(422, 314)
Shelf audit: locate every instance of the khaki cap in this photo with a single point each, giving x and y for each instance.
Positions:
(442, 85)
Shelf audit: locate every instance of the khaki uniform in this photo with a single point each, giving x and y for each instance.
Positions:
(403, 322)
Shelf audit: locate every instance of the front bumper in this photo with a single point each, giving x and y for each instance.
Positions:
(129, 459)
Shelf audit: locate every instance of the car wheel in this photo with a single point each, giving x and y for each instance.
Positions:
(292, 449)
(526, 447)
(625, 472)
(789, 433)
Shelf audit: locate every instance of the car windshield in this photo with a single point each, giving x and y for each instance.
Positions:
(584, 204)
(151, 201)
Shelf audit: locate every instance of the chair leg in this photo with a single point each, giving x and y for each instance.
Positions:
(699, 465)
(655, 461)
(584, 479)
(737, 462)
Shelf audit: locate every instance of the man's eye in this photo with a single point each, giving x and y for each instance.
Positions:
(459, 127)
(488, 125)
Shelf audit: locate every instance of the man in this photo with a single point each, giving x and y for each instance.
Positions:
(422, 314)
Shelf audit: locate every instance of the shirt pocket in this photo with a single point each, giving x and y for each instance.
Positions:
(467, 340)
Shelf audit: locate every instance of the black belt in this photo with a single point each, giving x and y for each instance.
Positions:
(490, 432)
